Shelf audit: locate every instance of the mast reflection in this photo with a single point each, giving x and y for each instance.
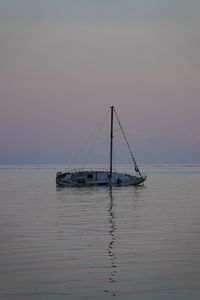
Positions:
(111, 252)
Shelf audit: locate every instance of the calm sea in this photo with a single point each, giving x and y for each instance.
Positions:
(83, 243)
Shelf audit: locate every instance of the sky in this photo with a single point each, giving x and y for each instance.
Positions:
(63, 63)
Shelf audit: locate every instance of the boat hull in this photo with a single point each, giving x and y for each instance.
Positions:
(96, 178)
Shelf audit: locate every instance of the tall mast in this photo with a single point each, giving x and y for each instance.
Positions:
(111, 142)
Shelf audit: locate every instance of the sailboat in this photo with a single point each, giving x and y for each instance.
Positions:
(94, 177)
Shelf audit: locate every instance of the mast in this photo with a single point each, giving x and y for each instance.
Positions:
(111, 142)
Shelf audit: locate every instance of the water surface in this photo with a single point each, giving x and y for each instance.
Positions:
(83, 243)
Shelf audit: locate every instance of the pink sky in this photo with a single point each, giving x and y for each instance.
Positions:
(57, 79)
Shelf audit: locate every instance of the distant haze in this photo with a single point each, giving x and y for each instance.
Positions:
(63, 63)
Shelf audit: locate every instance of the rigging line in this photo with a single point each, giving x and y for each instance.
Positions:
(88, 139)
(94, 142)
(135, 164)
